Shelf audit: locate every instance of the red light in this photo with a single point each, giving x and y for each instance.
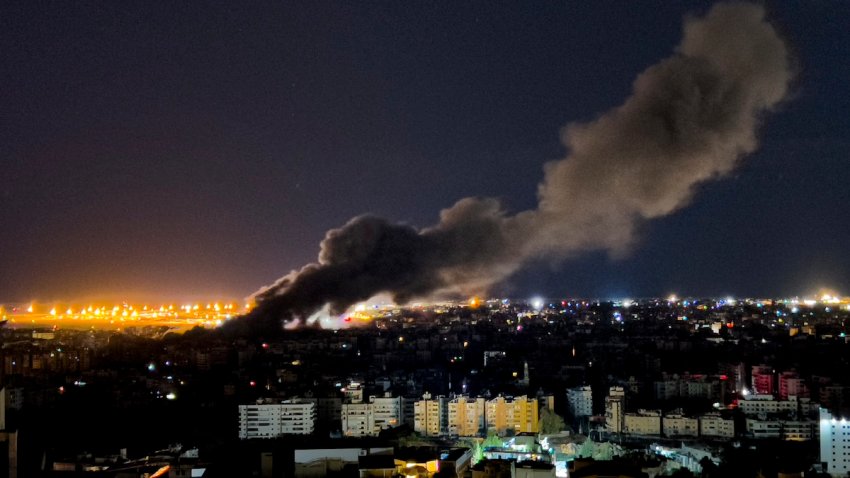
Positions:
(730, 325)
(265, 345)
(253, 383)
(724, 377)
(348, 319)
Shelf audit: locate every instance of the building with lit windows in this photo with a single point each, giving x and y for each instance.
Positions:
(431, 415)
(270, 420)
(714, 426)
(678, 425)
(790, 384)
(368, 419)
(519, 415)
(767, 404)
(644, 422)
(580, 401)
(466, 416)
(353, 392)
(358, 420)
(789, 430)
(387, 411)
(762, 382)
(834, 443)
(615, 408)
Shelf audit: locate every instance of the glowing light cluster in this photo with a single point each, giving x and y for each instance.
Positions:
(116, 316)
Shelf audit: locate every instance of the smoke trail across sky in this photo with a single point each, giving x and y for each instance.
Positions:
(689, 119)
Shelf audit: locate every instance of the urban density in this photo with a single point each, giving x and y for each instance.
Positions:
(569, 387)
(424, 239)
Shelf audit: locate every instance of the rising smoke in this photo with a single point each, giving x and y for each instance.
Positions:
(689, 119)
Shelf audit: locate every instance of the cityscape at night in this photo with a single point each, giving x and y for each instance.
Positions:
(424, 239)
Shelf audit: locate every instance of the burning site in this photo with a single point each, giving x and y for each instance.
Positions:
(691, 118)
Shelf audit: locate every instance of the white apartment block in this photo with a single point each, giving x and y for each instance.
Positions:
(756, 405)
(580, 401)
(466, 416)
(358, 420)
(713, 425)
(790, 430)
(677, 425)
(644, 422)
(834, 443)
(387, 411)
(368, 419)
(290, 417)
(799, 430)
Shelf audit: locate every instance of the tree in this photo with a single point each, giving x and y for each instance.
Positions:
(414, 439)
(550, 422)
(603, 451)
(492, 441)
(708, 467)
(473, 444)
(586, 449)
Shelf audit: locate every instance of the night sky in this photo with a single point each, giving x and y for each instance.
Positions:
(180, 150)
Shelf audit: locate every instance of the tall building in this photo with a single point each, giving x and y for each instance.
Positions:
(766, 404)
(408, 410)
(762, 382)
(834, 443)
(358, 420)
(580, 401)
(615, 405)
(269, 420)
(791, 430)
(387, 411)
(644, 422)
(466, 416)
(353, 392)
(328, 410)
(677, 424)
(713, 425)
(9, 398)
(524, 381)
(519, 414)
(688, 387)
(431, 416)
(368, 419)
(735, 374)
(790, 384)
(834, 396)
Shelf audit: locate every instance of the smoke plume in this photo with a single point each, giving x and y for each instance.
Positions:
(690, 119)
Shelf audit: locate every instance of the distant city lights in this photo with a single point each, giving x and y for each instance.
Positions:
(537, 303)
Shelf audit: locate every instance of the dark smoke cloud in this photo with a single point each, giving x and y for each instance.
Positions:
(690, 119)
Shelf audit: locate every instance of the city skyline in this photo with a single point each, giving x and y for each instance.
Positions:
(197, 153)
